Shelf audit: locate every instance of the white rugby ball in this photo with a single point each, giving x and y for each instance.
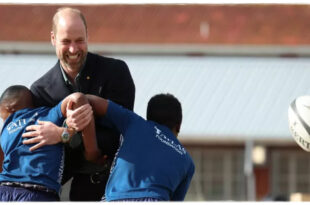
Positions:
(299, 121)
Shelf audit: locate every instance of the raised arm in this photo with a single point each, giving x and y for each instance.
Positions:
(47, 133)
(99, 107)
(77, 100)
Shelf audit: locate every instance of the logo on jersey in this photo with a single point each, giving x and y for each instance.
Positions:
(164, 139)
(20, 124)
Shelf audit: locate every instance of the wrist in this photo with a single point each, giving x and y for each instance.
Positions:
(60, 130)
(67, 133)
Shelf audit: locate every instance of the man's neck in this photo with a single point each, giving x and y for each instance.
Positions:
(71, 77)
(68, 74)
(71, 74)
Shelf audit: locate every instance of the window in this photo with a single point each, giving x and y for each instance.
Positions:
(290, 172)
(218, 176)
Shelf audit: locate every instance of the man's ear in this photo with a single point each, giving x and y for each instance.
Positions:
(53, 38)
(5, 111)
(10, 109)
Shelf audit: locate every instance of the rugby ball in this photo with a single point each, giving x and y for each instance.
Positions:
(299, 121)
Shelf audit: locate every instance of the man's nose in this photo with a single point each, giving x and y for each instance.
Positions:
(73, 48)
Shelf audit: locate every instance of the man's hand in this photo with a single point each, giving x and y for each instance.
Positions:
(44, 133)
(80, 117)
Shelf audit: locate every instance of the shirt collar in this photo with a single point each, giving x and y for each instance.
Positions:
(64, 75)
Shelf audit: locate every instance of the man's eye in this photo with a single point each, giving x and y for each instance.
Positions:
(65, 42)
(80, 41)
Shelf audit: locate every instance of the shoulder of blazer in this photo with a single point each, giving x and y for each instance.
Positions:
(105, 62)
(50, 88)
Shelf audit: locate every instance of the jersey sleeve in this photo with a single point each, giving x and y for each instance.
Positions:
(55, 115)
(119, 116)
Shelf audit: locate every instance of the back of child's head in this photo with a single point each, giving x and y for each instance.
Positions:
(20, 94)
(165, 109)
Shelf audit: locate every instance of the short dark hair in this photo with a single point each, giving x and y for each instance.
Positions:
(14, 91)
(165, 109)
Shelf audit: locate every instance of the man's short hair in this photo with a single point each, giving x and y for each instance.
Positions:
(165, 109)
(73, 10)
(14, 91)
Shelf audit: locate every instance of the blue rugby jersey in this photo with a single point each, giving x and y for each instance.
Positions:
(150, 163)
(43, 166)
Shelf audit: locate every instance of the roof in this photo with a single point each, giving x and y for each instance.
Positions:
(223, 98)
(167, 24)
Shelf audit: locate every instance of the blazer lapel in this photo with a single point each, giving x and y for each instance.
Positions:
(86, 75)
(57, 85)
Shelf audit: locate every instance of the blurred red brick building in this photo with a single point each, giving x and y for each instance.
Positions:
(168, 24)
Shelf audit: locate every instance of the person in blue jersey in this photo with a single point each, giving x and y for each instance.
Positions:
(30, 172)
(151, 164)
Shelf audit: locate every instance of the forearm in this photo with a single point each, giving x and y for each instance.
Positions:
(92, 152)
(99, 105)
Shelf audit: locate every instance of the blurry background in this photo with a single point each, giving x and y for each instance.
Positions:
(235, 69)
